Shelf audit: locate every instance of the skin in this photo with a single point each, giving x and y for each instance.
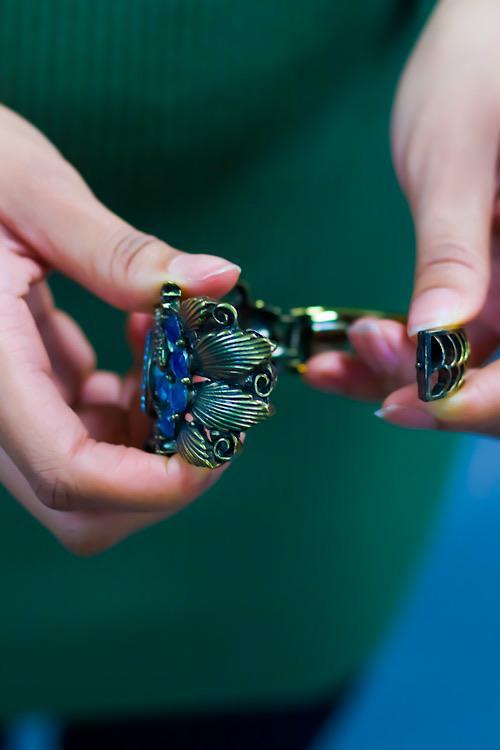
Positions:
(445, 143)
(70, 434)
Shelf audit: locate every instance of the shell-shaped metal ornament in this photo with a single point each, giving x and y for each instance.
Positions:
(205, 379)
(228, 353)
(222, 406)
(195, 311)
(195, 447)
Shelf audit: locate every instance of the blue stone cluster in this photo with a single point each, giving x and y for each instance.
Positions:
(145, 372)
(170, 394)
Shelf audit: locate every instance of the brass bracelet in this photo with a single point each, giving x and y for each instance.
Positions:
(210, 367)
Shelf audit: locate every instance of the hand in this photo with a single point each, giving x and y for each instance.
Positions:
(67, 431)
(446, 135)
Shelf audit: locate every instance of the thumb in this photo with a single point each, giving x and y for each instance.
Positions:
(452, 200)
(52, 209)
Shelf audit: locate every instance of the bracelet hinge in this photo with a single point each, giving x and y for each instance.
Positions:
(301, 332)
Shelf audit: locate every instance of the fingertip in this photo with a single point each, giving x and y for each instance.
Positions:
(343, 374)
(440, 309)
(405, 396)
(326, 371)
(203, 274)
(403, 409)
(407, 416)
(375, 345)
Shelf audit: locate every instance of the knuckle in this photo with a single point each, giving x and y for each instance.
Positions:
(53, 477)
(451, 252)
(447, 259)
(130, 250)
(54, 491)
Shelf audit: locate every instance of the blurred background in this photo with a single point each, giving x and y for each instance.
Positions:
(258, 131)
(434, 680)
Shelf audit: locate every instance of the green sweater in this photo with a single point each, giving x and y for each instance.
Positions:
(256, 130)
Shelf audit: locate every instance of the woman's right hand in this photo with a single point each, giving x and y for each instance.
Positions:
(69, 440)
(445, 138)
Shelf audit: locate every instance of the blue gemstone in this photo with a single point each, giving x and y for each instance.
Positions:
(162, 385)
(166, 425)
(172, 328)
(179, 363)
(178, 397)
(172, 396)
(145, 372)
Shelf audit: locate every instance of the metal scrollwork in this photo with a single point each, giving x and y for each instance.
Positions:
(205, 380)
(442, 357)
(263, 381)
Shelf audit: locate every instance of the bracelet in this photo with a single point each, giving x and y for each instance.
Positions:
(210, 367)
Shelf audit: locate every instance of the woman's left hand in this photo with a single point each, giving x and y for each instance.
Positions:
(446, 135)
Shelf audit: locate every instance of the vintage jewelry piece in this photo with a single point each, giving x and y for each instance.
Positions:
(442, 357)
(210, 367)
(205, 379)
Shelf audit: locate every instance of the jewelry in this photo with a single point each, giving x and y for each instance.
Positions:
(210, 367)
(206, 378)
(442, 358)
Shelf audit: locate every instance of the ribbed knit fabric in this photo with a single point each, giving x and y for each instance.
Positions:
(257, 130)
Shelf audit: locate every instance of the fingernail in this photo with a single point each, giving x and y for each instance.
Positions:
(186, 268)
(382, 357)
(436, 308)
(407, 416)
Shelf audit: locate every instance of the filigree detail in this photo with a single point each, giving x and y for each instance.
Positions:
(226, 446)
(263, 381)
(225, 314)
(442, 357)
